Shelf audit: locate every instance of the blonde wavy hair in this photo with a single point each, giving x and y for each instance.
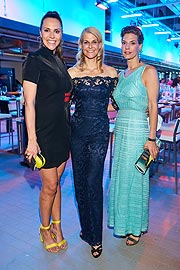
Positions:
(80, 56)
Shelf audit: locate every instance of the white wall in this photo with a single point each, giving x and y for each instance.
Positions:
(78, 14)
(75, 14)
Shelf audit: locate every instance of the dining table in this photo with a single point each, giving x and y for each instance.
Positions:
(171, 104)
(11, 103)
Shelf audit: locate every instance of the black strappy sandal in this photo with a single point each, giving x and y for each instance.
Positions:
(96, 250)
(132, 240)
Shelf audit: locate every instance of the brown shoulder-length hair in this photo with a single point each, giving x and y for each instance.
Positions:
(80, 56)
(55, 15)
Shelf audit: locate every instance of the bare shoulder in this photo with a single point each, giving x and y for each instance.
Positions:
(109, 71)
(150, 70)
(73, 71)
(150, 76)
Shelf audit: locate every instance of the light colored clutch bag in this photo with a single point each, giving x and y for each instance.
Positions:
(145, 159)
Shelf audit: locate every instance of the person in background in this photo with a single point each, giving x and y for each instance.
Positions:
(137, 90)
(175, 88)
(46, 85)
(162, 86)
(93, 82)
(169, 81)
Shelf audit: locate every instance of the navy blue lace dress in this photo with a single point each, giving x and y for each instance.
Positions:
(89, 143)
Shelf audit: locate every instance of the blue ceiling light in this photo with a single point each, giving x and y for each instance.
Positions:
(102, 4)
(175, 38)
(112, 1)
(149, 25)
(162, 32)
(131, 15)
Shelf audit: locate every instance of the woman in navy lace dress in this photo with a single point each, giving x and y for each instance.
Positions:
(93, 81)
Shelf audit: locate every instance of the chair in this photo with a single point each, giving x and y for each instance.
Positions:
(15, 107)
(8, 118)
(170, 135)
(177, 111)
(166, 113)
(112, 119)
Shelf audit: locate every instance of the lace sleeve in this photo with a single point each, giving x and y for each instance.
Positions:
(113, 102)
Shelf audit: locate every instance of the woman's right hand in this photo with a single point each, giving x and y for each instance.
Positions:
(153, 149)
(32, 149)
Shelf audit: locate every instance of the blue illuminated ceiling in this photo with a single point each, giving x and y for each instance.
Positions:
(19, 39)
(165, 12)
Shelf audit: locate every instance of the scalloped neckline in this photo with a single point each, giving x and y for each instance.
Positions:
(94, 77)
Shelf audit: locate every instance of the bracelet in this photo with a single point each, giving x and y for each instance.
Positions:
(151, 140)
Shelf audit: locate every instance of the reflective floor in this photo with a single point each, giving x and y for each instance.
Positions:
(21, 249)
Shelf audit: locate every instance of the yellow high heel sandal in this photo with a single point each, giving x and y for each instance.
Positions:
(63, 244)
(47, 247)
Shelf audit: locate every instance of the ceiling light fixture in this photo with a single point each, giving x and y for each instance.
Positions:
(175, 38)
(112, 1)
(162, 33)
(102, 4)
(149, 25)
(131, 15)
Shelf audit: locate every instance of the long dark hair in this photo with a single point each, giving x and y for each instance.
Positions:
(134, 30)
(55, 15)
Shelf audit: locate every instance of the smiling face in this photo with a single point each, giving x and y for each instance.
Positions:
(130, 46)
(90, 45)
(51, 33)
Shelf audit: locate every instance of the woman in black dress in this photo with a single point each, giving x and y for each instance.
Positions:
(93, 82)
(46, 86)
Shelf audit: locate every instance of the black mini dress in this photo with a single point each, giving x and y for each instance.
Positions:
(51, 122)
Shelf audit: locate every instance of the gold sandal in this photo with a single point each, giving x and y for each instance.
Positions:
(63, 242)
(47, 247)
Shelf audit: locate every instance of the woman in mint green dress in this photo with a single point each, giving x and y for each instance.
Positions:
(136, 91)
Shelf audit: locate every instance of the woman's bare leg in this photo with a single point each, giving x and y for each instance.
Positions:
(47, 196)
(56, 209)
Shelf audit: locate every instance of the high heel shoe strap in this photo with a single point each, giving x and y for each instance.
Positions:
(56, 221)
(45, 227)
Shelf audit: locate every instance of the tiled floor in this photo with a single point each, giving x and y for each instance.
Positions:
(21, 249)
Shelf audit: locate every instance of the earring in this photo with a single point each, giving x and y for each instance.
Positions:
(98, 57)
(139, 55)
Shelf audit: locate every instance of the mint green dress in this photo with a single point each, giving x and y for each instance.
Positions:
(129, 189)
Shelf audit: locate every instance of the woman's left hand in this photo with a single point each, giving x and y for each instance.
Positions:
(153, 149)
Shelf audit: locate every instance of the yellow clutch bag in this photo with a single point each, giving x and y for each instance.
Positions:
(38, 162)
